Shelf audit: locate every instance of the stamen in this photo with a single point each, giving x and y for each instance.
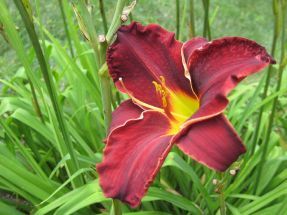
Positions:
(137, 100)
(161, 91)
(162, 80)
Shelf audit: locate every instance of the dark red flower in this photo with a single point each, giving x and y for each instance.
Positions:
(178, 95)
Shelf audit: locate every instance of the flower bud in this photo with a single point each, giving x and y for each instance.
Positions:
(124, 17)
(102, 38)
(232, 172)
(214, 181)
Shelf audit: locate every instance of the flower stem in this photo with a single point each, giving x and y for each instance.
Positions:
(103, 15)
(116, 22)
(106, 99)
(116, 208)
(182, 24)
(105, 83)
(267, 80)
(177, 19)
(66, 27)
(191, 19)
(35, 102)
(265, 90)
(221, 196)
(222, 204)
(206, 27)
(265, 144)
(105, 80)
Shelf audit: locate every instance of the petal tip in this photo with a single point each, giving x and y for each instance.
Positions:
(218, 148)
(268, 59)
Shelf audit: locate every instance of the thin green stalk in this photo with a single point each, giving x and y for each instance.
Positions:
(206, 27)
(66, 27)
(93, 37)
(72, 165)
(264, 95)
(3, 33)
(177, 21)
(251, 103)
(183, 20)
(106, 99)
(78, 46)
(116, 22)
(103, 15)
(221, 187)
(267, 81)
(116, 208)
(131, 17)
(35, 102)
(41, 37)
(222, 204)
(104, 79)
(191, 19)
(116, 204)
(275, 101)
(106, 89)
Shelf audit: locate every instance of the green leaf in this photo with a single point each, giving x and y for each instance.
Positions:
(264, 200)
(8, 209)
(175, 160)
(147, 213)
(179, 201)
(75, 200)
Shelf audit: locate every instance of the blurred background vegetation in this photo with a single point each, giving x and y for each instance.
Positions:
(251, 19)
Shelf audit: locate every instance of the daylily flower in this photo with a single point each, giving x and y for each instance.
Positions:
(177, 97)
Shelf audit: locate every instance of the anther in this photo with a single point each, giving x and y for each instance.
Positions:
(160, 90)
(162, 80)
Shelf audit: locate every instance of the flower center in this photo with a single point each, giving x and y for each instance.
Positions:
(177, 105)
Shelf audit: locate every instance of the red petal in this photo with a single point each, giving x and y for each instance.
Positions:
(133, 155)
(192, 45)
(189, 47)
(126, 111)
(212, 142)
(217, 67)
(141, 55)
